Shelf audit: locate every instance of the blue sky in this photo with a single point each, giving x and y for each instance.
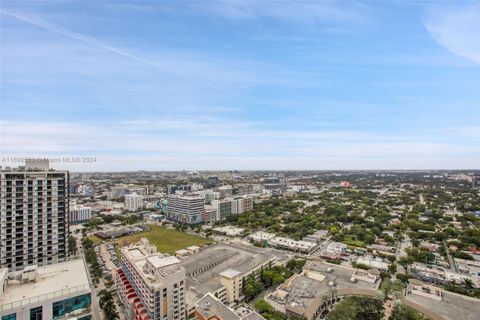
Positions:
(167, 85)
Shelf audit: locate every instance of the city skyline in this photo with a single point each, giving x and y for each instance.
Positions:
(242, 85)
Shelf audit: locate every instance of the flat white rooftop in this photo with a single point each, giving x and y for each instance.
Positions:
(159, 262)
(64, 276)
(230, 273)
(135, 253)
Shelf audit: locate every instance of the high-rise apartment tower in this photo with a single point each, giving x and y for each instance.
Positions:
(34, 215)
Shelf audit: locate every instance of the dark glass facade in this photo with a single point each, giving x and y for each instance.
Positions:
(36, 313)
(60, 308)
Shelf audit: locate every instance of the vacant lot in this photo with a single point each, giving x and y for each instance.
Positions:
(166, 240)
(355, 243)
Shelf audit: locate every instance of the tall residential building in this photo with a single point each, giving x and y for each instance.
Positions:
(34, 215)
(79, 213)
(151, 286)
(188, 208)
(133, 202)
(229, 206)
(224, 208)
(241, 205)
(57, 291)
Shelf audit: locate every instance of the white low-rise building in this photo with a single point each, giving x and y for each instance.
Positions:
(261, 237)
(372, 262)
(336, 248)
(229, 231)
(290, 244)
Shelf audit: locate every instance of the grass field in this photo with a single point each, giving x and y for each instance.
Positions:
(95, 239)
(166, 240)
(355, 243)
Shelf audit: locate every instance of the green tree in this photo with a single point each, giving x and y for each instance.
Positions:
(405, 261)
(263, 306)
(72, 245)
(277, 279)
(402, 312)
(107, 305)
(358, 308)
(391, 287)
(392, 268)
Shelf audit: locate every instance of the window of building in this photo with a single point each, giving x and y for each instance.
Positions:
(12, 316)
(36, 313)
(60, 308)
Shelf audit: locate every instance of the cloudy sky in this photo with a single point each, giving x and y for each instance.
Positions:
(167, 85)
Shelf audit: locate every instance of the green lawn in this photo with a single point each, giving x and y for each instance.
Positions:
(166, 240)
(95, 239)
(355, 243)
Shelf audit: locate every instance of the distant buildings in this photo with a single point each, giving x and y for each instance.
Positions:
(294, 245)
(79, 214)
(57, 291)
(261, 237)
(150, 285)
(223, 208)
(232, 206)
(121, 191)
(114, 233)
(273, 185)
(188, 208)
(241, 205)
(133, 202)
(229, 231)
(34, 215)
(272, 240)
(439, 276)
(210, 195)
(178, 189)
(212, 182)
(226, 191)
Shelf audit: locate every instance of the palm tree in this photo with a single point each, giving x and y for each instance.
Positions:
(110, 312)
(107, 305)
(105, 298)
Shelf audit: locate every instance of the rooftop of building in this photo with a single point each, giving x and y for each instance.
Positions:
(209, 307)
(152, 265)
(56, 278)
(189, 196)
(452, 306)
(320, 279)
(230, 273)
(204, 268)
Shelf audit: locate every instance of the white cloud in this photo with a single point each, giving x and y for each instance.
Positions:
(227, 144)
(457, 29)
(301, 12)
